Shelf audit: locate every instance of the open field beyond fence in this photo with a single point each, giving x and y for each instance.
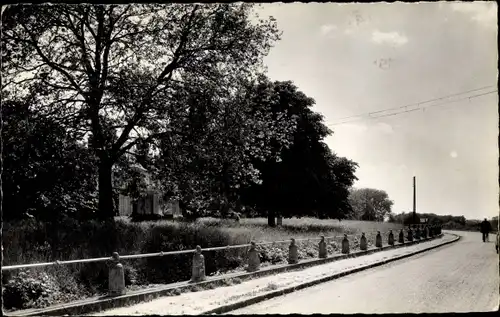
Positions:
(32, 242)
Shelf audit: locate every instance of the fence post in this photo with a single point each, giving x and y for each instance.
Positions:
(345, 245)
(401, 237)
(116, 278)
(253, 258)
(323, 253)
(293, 255)
(391, 238)
(362, 242)
(410, 235)
(417, 233)
(378, 240)
(198, 270)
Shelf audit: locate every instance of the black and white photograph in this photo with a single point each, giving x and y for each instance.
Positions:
(249, 158)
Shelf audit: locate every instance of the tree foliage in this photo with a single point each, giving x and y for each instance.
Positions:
(370, 204)
(46, 172)
(308, 179)
(111, 73)
(216, 146)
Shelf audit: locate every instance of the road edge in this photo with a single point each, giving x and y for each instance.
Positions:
(261, 298)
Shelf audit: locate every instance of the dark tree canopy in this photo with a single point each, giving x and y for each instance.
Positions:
(46, 172)
(111, 72)
(309, 179)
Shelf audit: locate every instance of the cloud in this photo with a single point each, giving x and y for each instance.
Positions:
(349, 31)
(484, 13)
(384, 127)
(328, 28)
(391, 38)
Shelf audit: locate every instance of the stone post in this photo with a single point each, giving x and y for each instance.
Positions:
(391, 238)
(378, 240)
(401, 238)
(116, 282)
(323, 253)
(425, 232)
(253, 258)
(345, 245)
(410, 235)
(363, 246)
(198, 271)
(417, 233)
(293, 254)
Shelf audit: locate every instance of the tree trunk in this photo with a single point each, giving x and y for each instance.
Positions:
(106, 208)
(271, 218)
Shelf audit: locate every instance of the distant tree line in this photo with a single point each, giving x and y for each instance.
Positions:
(447, 221)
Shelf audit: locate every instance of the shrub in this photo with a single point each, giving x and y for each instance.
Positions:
(31, 289)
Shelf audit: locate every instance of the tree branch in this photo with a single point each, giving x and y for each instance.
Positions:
(53, 65)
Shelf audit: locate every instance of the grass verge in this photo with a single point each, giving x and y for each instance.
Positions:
(32, 241)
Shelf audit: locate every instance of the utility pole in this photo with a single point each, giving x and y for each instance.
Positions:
(414, 201)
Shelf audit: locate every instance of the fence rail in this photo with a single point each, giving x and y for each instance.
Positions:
(161, 254)
(116, 271)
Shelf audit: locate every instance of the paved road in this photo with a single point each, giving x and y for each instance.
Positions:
(461, 277)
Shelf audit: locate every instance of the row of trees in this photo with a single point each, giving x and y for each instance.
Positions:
(90, 91)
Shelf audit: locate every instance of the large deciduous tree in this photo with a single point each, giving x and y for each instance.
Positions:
(308, 179)
(109, 72)
(217, 138)
(370, 204)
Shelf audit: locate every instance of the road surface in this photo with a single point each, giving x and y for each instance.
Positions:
(461, 277)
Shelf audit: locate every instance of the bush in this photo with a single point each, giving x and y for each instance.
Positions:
(31, 289)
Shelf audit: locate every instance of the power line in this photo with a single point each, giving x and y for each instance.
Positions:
(370, 114)
(422, 102)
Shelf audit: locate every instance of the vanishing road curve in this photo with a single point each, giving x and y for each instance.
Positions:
(461, 277)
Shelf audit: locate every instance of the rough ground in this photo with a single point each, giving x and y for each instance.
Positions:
(461, 277)
(196, 303)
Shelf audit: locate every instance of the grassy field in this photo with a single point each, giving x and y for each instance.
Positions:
(32, 241)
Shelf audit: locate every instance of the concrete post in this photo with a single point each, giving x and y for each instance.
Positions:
(345, 245)
(378, 240)
(410, 235)
(323, 253)
(401, 238)
(417, 233)
(293, 254)
(116, 279)
(363, 246)
(253, 258)
(391, 238)
(198, 270)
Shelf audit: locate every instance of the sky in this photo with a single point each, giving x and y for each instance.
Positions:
(355, 59)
